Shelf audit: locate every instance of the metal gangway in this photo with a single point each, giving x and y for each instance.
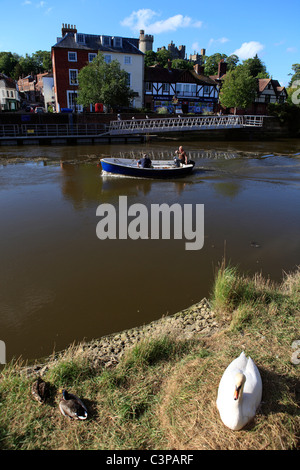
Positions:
(178, 123)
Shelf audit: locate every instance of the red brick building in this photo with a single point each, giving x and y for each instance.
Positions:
(74, 50)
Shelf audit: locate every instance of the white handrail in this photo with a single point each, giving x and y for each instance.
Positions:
(186, 123)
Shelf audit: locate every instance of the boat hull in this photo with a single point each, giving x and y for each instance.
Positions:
(161, 169)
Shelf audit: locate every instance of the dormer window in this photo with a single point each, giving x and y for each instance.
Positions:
(117, 42)
(106, 40)
(80, 38)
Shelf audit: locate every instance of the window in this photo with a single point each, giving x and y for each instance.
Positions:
(72, 56)
(186, 88)
(92, 57)
(72, 101)
(73, 76)
(80, 38)
(117, 42)
(127, 60)
(206, 90)
(106, 40)
(178, 88)
(128, 79)
(148, 87)
(166, 87)
(107, 59)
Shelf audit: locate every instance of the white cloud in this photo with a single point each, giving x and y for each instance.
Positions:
(143, 19)
(217, 41)
(27, 2)
(291, 49)
(248, 50)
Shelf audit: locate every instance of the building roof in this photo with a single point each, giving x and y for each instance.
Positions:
(264, 82)
(93, 42)
(169, 75)
(8, 82)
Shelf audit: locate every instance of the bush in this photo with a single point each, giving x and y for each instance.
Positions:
(288, 114)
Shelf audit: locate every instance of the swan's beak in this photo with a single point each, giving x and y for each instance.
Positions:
(236, 392)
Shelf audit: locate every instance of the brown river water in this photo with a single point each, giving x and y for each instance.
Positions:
(60, 283)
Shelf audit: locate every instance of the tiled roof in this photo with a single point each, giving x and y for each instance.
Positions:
(93, 42)
(264, 82)
(165, 75)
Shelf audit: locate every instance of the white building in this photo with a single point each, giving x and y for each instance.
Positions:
(175, 89)
(9, 95)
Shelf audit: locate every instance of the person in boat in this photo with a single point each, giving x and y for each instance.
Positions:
(145, 162)
(181, 157)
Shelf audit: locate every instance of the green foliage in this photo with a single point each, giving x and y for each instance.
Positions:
(239, 88)
(256, 67)
(212, 63)
(296, 74)
(15, 66)
(150, 58)
(288, 114)
(100, 82)
(162, 57)
(232, 62)
(182, 64)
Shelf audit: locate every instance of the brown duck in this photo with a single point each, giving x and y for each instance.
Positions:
(71, 406)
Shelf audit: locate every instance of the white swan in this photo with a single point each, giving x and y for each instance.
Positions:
(239, 393)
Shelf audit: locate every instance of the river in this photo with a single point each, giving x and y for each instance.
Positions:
(60, 283)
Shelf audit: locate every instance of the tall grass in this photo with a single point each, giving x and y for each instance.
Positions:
(161, 395)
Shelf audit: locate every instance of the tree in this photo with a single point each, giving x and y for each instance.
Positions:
(150, 58)
(100, 82)
(8, 61)
(231, 62)
(42, 60)
(239, 89)
(212, 63)
(256, 67)
(182, 64)
(162, 57)
(296, 74)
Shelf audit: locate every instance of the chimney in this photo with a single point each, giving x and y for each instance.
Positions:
(67, 28)
(169, 65)
(199, 69)
(222, 68)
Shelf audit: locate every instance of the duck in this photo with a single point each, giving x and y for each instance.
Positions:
(40, 390)
(239, 392)
(71, 406)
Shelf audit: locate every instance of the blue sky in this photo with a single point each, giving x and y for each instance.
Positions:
(270, 29)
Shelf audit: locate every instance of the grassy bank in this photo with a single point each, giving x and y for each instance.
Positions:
(161, 395)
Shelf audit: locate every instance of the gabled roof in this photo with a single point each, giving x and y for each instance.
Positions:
(264, 82)
(93, 43)
(167, 75)
(8, 82)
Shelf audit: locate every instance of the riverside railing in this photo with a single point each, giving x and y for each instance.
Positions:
(51, 130)
(179, 123)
